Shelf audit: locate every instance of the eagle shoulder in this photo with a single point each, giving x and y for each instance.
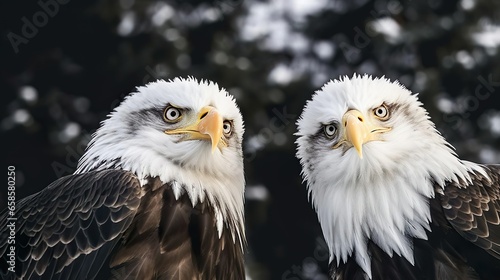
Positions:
(473, 209)
(69, 228)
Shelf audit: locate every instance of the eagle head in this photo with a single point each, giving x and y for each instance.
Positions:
(371, 156)
(177, 130)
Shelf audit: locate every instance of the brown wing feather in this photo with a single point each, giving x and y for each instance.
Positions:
(68, 230)
(71, 229)
(174, 240)
(473, 210)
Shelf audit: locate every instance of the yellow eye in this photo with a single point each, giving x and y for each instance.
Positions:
(172, 114)
(381, 112)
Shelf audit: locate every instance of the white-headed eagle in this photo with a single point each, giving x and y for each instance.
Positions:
(158, 194)
(393, 199)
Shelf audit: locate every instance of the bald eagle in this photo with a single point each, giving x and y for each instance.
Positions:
(393, 199)
(158, 194)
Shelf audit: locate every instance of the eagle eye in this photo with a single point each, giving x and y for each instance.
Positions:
(330, 130)
(172, 114)
(381, 112)
(227, 128)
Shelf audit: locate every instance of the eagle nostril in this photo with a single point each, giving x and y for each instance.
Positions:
(204, 115)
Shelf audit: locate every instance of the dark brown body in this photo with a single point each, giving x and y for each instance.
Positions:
(109, 227)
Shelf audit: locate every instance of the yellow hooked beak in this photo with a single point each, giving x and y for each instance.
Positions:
(359, 130)
(207, 126)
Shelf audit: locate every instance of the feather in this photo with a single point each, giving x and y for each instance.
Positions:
(393, 198)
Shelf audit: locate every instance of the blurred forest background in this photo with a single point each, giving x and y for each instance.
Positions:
(65, 64)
